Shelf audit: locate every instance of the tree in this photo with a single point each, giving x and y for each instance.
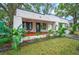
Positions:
(43, 8)
(66, 9)
(10, 9)
(48, 8)
(3, 14)
(27, 6)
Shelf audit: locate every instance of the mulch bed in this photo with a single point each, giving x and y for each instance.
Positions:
(5, 47)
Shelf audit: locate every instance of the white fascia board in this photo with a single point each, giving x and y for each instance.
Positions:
(31, 15)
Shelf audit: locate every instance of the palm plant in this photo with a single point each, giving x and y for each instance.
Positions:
(17, 35)
(10, 35)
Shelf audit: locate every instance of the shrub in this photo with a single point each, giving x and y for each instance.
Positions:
(50, 34)
(16, 38)
(74, 28)
(61, 31)
(5, 33)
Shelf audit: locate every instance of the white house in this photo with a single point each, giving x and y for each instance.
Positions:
(34, 22)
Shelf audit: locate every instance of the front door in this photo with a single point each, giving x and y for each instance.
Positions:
(37, 27)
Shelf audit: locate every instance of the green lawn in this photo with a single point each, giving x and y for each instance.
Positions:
(49, 47)
(77, 32)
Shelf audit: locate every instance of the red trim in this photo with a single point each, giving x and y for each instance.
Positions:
(34, 33)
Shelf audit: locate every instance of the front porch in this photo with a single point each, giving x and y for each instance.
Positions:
(36, 27)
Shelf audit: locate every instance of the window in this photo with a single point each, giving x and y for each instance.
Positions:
(44, 26)
(27, 25)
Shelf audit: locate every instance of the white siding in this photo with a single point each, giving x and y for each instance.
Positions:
(17, 22)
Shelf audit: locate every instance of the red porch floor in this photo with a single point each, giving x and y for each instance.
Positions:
(35, 33)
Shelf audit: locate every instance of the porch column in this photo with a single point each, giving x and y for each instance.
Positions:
(56, 25)
(49, 26)
(34, 27)
(17, 21)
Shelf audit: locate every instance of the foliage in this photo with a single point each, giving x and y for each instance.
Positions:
(16, 38)
(4, 40)
(5, 33)
(27, 7)
(10, 35)
(61, 31)
(47, 8)
(43, 8)
(10, 10)
(68, 9)
(3, 14)
(74, 28)
(50, 34)
(50, 31)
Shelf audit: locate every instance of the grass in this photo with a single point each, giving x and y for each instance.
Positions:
(77, 33)
(55, 46)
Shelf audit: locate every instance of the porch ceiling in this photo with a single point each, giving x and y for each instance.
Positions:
(35, 20)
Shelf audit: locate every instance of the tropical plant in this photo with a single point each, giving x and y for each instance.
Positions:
(61, 31)
(17, 36)
(10, 35)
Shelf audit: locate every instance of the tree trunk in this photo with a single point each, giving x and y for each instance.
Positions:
(75, 19)
(11, 16)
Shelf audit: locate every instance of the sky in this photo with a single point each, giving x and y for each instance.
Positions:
(69, 18)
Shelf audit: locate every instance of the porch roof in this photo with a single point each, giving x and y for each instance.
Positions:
(32, 15)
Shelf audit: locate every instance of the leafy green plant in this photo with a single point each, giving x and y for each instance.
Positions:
(16, 38)
(50, 33)
(61, 31)
(5, 33)
(10, 35)
(74, 27)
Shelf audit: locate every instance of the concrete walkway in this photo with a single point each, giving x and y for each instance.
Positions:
(73, 36)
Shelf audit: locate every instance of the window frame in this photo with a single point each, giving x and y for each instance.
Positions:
(44, 26)
(27, 25)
